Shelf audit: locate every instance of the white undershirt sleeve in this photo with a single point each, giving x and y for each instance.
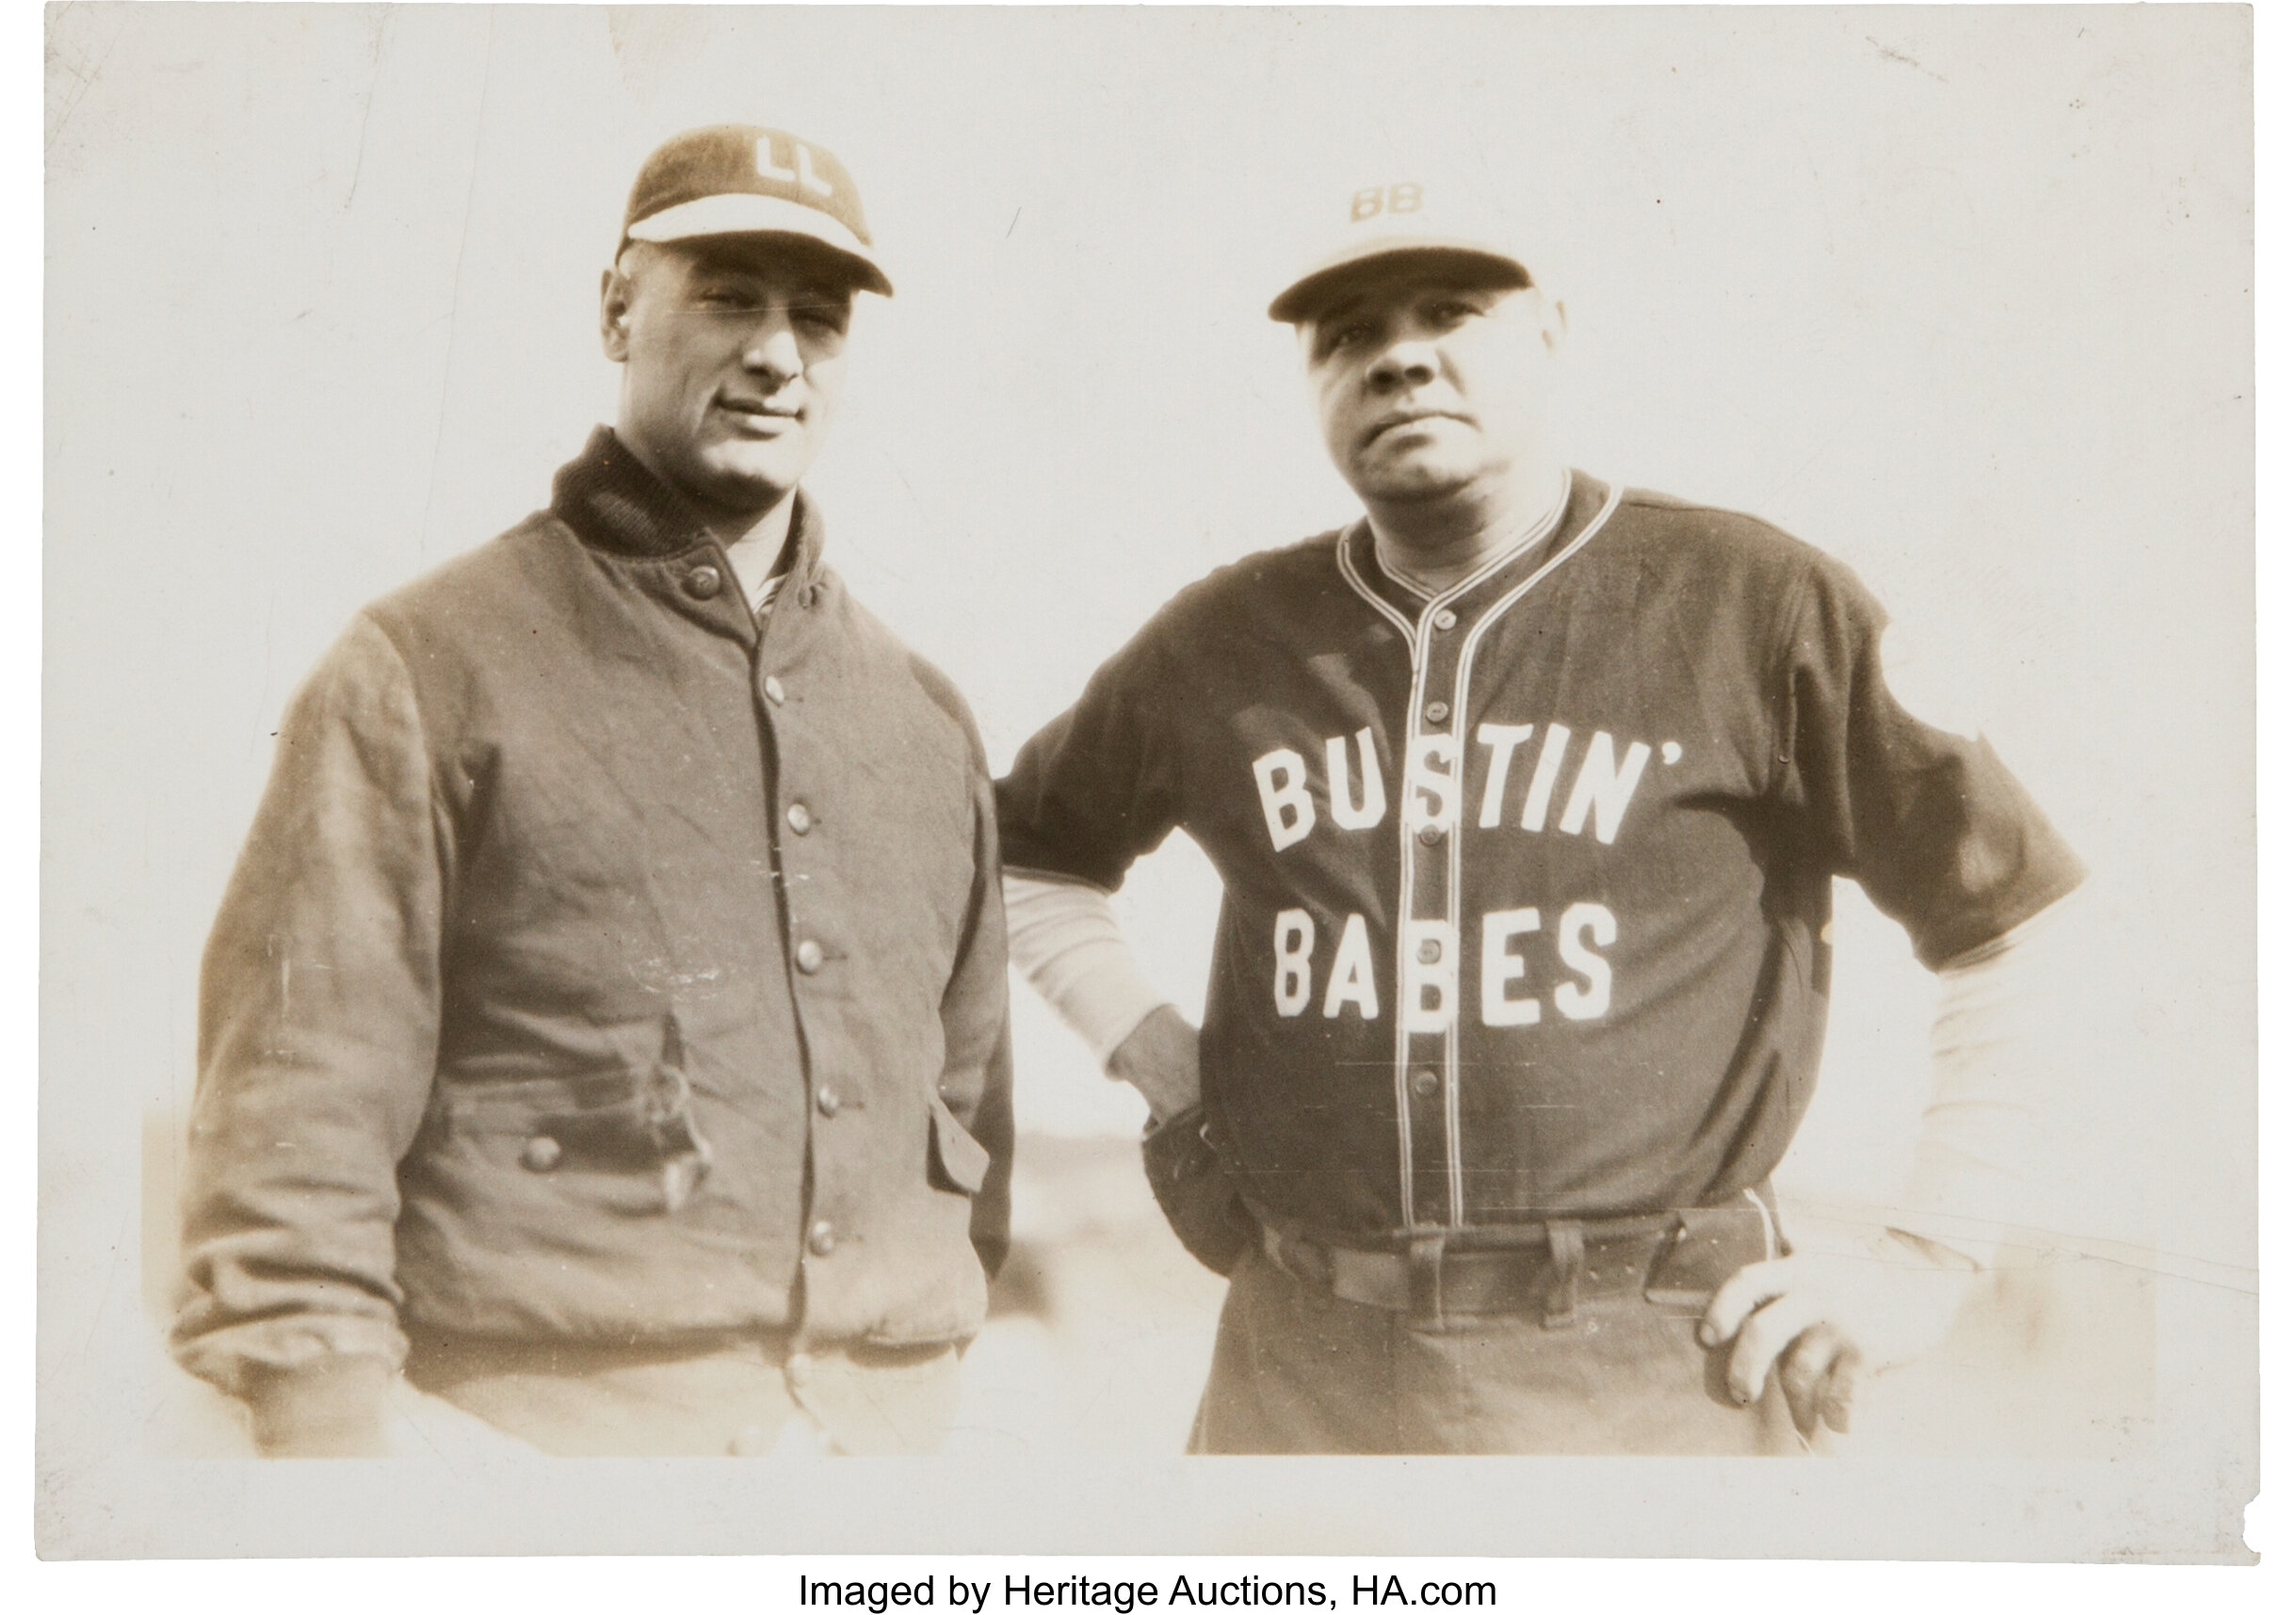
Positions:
(2000, 1032)
(1065, 942)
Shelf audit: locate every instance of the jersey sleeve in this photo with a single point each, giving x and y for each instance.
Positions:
(1099, 786)
(1935, 828)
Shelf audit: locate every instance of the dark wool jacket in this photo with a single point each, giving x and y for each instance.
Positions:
(603, 965)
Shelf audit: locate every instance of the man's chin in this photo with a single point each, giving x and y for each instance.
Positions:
(740, 483)
(1414, 483)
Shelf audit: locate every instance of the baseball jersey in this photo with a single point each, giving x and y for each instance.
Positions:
(1526, 883)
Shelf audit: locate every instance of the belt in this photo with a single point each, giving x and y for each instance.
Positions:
(1673, 1258)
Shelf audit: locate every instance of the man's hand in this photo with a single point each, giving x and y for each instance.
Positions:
(1826, 1320)
(1159, 1058)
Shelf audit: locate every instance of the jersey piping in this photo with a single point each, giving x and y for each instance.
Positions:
(1416, 638)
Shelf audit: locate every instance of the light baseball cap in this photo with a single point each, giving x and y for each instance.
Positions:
(739, 179)
(1405, 217)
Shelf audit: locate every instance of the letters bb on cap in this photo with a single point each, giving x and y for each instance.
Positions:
(1422, 218)
(737, 179)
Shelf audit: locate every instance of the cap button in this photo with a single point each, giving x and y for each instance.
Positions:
(774, 692)
(703, 582)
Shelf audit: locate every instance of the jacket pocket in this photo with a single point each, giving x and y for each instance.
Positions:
(959, 1161)
(630, 1133)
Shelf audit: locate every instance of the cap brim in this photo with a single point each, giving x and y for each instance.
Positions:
(1300, 300)
(743, 213)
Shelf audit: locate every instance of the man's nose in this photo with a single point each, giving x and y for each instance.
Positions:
(1405, 363)
(773, 349)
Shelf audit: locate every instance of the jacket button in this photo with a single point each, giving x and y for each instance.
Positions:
(1424, 1083)
(774, 692)
(542, 1154)
(822, 1240)
(1429, 836)
(800, 818)
(703, 583)
(809, 955)
(799, 1370)
(828, 1102)
(1437, 711)
(1447, 618)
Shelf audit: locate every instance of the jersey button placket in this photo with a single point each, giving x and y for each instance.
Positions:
(1428, 849)
(1434, 899)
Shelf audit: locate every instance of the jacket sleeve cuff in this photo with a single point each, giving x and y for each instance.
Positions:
(332, 1407)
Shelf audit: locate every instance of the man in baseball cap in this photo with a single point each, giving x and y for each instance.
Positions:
(607, 1020)
(1528, 791)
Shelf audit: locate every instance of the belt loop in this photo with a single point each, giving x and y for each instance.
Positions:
(1425, 1277)
(1566, 1258)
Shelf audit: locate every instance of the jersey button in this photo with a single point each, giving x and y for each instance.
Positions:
(799, 1370)
(800, 818)
(703, 583)
(1437, 711)
(828, 1101)
(1431, 951)
(542, 1154)
(1447, 618)
(822, 1239)
(1424, 1083)
(1431, 833)
(809, 955)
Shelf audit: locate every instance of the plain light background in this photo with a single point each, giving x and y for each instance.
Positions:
(1963, 296)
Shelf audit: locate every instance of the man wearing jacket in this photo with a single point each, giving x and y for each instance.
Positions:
(606, 1021)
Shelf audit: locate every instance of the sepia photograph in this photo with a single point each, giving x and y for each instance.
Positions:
(1503, 756)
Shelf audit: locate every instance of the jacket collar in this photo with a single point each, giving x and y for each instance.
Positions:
(614, 503)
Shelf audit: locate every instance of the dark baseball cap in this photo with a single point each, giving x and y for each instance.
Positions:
(740, 179)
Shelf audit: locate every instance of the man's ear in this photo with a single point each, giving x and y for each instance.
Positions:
(614, 293)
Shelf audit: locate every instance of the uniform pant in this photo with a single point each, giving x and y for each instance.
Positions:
(730, 1399)
(1298, 1370)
